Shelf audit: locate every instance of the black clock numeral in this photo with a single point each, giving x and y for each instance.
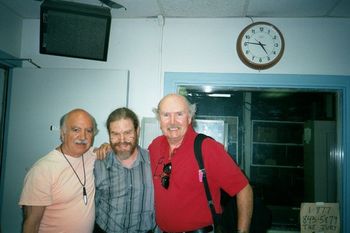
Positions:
(276, 45)
(253, 58)
(247, 37)
(268, 58)
(261, 29)
(260, 60)
(247, 52)
(253, 31)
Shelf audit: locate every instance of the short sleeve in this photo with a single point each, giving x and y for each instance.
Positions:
(37, 188)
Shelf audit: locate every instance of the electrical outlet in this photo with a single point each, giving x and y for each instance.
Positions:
(54, 128)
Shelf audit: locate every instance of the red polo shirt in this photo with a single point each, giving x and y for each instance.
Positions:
(183, 206)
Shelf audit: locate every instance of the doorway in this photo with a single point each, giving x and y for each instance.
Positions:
(270, 143)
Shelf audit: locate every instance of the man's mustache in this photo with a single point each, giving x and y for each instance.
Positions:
(122, 144)
(81, 141)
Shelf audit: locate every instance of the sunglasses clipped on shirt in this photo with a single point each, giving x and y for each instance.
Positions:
(166, 175)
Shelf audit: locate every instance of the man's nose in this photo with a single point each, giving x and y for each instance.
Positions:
(172, 118)
(83, 134)
(122, 137)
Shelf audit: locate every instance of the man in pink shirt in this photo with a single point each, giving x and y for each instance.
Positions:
(58, 192)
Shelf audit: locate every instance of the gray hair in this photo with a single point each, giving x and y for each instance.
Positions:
(192, 108)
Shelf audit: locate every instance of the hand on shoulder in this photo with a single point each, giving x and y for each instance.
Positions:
(102, 151)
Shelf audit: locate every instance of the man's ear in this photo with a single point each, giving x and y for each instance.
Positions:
(61, 136)
(189, 120)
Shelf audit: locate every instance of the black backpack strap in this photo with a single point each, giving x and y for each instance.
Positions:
(198, 153)
(198, 149)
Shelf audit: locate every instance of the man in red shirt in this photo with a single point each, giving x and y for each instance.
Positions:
(180, 200)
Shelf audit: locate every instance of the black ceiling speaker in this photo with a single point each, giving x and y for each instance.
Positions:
(74, 29)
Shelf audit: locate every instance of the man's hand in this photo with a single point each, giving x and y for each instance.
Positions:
(102, 151)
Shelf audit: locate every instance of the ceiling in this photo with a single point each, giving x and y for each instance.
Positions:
(30, 9)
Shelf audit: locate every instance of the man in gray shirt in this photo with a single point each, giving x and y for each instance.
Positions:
(124, 189)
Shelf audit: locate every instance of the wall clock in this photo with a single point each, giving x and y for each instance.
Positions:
(260, 45)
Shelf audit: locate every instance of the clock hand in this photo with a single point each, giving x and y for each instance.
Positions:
(259, 43)
(252, 43)
(262, 46)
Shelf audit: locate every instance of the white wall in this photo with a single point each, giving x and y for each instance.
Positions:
(313, 46)
(134, 46)
(147, 50)
(142, 46)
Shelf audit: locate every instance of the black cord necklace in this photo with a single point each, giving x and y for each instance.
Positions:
(82, 184)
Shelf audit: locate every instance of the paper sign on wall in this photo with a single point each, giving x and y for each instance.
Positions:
(319, 217)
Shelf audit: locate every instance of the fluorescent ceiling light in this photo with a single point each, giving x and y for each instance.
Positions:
(219, 95)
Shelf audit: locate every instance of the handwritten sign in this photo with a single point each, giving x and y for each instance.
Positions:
(319, 217)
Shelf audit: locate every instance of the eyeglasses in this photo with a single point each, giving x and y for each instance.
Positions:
(166, 175)
(127, 135)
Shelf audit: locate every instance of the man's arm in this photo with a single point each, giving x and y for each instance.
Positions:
(32, 218)
(244, 209)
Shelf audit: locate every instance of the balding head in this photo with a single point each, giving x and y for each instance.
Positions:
(191, 108)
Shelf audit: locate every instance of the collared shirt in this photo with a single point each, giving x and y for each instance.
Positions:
(124, 196)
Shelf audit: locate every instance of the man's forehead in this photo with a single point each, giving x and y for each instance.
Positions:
(122, 130)
(124, 123)
(173, 112)
(80, 122)
(173, 106)
(81, 126)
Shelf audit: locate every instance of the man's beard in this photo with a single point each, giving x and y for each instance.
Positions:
(124, 154)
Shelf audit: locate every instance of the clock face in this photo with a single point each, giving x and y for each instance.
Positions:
(260, 45)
